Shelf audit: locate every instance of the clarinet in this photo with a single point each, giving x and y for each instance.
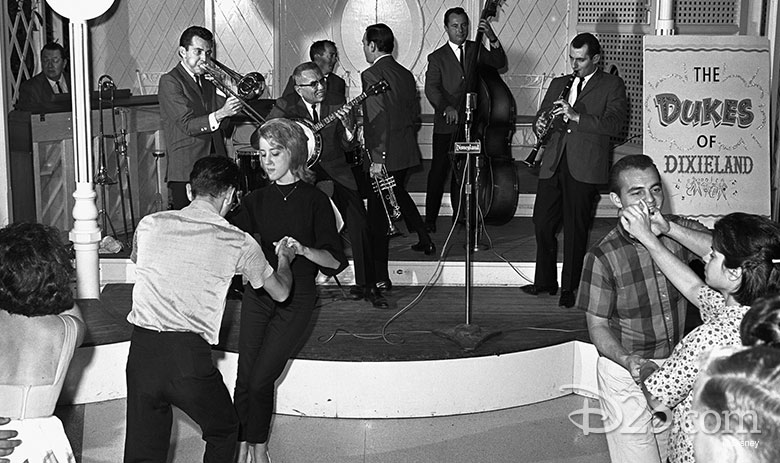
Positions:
(548, 119)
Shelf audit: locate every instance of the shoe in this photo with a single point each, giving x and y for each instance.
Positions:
(567, 298)
(535, 290)
(357, 292)
(376, 298)
(430, 227)
(428, 249)
(384, 285)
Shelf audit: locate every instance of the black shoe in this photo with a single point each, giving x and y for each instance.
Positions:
(535, 290)
(567, 298)
(428, 249)
(384, 285)
(376, 298)
(357, 292)
(430, 227)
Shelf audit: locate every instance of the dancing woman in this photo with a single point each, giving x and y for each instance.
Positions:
(291, 212)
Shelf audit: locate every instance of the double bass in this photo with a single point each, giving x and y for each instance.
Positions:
(494, 124)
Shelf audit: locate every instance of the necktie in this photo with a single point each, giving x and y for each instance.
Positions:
(460, 57)
(580, 84)
(59, 87)
(315, 116)
(197, 81)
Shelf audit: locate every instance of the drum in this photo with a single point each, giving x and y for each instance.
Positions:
(251, 169)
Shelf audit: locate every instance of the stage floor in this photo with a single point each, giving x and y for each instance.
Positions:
(349, 330)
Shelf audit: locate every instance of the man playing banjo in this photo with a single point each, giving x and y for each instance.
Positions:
(308, 107)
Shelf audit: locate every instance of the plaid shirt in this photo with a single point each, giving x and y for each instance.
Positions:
(621, 282)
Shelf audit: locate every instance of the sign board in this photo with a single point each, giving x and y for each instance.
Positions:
(706, 122)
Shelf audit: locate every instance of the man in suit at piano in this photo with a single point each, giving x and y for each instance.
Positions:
(325, 55)
(445, 87)
(309, 102)
(192, 114)
(576, 161)
(37, 93)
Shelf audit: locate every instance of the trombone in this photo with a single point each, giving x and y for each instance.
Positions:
(248, 86)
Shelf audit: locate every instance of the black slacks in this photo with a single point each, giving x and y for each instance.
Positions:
(270, 334)
(378, 223)
(437, 177)
(175, 368)
(562, 199)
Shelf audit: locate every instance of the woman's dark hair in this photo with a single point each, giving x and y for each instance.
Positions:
(213, 175)
(35, 271)
(761, 324)
(751, 242)
(739, 395)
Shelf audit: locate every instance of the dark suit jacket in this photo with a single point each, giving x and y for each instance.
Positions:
(35, 93)
(334, 139)
(184, 117)
(603, 109)
(445, 81)
(336, 94)
(389, 119)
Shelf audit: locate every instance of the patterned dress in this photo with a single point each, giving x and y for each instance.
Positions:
(672, 384)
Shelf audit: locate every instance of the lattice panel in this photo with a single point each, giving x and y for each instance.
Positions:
(140, 34)
(534, 35)
(244, 38)
(625, 52)
(24, 20)
(603, 12)
(702, 12)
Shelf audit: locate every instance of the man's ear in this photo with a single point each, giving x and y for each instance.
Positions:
(189, 192)
(596, 59)
(616, 200)
(182, 51)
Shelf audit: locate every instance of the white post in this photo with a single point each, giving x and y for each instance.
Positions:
(664, 24)
(85, 233)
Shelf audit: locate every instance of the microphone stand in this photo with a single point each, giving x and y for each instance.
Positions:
(468, 335)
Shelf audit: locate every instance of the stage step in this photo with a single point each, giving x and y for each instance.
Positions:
(509, 261)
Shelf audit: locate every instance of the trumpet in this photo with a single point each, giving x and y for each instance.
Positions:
(248, 86)
(547, 119)
(383, 186)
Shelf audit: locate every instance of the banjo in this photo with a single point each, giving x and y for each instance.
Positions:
(311, 130)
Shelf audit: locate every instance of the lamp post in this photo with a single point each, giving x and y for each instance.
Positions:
(85, 234)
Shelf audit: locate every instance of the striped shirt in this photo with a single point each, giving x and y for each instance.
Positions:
(620, 282)
(185, 261)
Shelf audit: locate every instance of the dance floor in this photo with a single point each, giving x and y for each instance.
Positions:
(347, 330)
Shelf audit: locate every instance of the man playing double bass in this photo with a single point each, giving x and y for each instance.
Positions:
(445, 87)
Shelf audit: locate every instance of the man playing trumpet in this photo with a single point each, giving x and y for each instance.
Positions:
(308, 103)
(193, 115)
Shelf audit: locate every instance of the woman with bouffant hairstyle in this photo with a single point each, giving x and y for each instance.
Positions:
(40, 328)
(761, 324)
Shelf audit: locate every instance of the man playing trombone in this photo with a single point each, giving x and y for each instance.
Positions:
(192, 114)
(309, 104)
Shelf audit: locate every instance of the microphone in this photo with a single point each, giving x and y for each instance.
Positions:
(471, 101)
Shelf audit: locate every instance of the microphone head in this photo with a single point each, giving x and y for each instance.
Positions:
(471, 101)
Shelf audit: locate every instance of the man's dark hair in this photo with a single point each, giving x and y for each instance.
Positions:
(35, 271)
(319, 47)
(382, 36)
(586, 38)
(52, 46)
(195, 31)
(457, 10)
(632, 161)
(307, 66)
(213, 175)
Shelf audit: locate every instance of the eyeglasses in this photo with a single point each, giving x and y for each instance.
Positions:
(313, 84)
